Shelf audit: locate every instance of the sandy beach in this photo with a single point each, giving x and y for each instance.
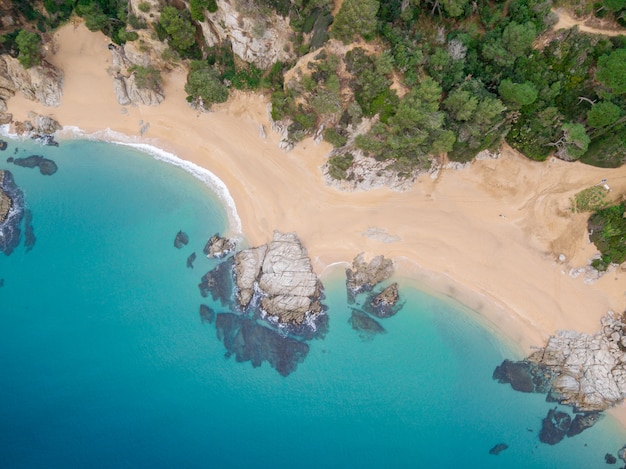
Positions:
(488, 235)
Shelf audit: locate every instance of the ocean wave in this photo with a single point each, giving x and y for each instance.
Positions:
(200, 173)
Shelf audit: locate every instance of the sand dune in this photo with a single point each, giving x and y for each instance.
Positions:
(488, 235)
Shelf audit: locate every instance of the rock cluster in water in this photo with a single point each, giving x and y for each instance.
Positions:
(385, 303)
(363, 276)
(280, 276)
(275, 302)
(11, 213)
(46, 166)
(218, 247)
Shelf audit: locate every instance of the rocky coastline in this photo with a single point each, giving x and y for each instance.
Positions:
(11, 213)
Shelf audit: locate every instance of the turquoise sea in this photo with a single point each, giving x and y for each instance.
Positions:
(105, 362)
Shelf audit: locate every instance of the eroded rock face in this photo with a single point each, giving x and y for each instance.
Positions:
(250, 341)
(280, 276)
(218, 247)
(11, 213)
(364, 276)
(42, 83)
(256, 38)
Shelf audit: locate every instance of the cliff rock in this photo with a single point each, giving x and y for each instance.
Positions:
(257, 38)
(42, 83)
(281, 274)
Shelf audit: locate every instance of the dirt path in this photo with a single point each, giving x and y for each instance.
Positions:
(567, 21)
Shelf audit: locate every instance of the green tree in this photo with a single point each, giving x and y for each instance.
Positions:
(614, 5)
(518, 38)
(355, 17)
(177, 24)
(517, 95)
(461, 105)
(95, 18)
(146, 77)
(203, 82)
(574, 142)
(29, 45)
(454, 8)
(602, 114)
(612, 71)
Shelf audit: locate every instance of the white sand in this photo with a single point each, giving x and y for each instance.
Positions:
(488, 235)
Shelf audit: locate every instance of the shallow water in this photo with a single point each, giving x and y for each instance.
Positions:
(106, 363)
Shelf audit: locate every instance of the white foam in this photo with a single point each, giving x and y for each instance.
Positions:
(203, 174)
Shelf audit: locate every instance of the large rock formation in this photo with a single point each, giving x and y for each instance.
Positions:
(11, 213)
(279, 275)
(256, 37)
(42, 83)
(587, 372)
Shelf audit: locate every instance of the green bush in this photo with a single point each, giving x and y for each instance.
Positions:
(608, 231)
(339, 164)
(334, 138)
(29, 45)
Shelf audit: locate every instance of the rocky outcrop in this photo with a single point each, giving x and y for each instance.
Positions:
(42, 83)
(125, 86)
(218, 247)
(554, 427)
(279, 276)
(256, 37)
(385, 303)
(364, 276)
(181, 239)
(11, 213)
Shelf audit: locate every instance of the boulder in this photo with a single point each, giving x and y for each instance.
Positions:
(218, 247)
(364, 276)
(554, 427)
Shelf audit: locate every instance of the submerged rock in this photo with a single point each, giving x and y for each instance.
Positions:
(29, 231)
(365, 325)
(3, 145)
(250, 341)
(182, 239)
(497, 449)
(554, 427)
(582, 422)
(46, 166)
(524, 376)
(219, 282)
(218, 247)
(385, 304)
(207, 314)
(609, 458)
(190, 260)
(364, 276)
(622, 453)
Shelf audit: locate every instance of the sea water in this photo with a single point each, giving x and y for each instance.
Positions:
(105, 362)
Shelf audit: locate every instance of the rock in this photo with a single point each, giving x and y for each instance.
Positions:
(218, 247)
(46, 166)
(1, 282)
(497, 449)
(383, 304)
(247, 269)
(11, 213)
(609, 458)
(42, 83)
(29, 232)
(46, 124)
(121, 94)
(5, 118)
(582, 422)
(365, 325)
(523, 376)
(364, 276)
(219, 282)
(250, 341)
(554, 427)
(190, 260)
(207, 314)
(182, 239)
(259, 37)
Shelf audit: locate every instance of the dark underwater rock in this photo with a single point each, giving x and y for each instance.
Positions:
(524, 376)
(219, 283)
(45, 139)
(365, 325)
(12, 199)
(218, 247)
(554, 427)
(1, 282)
(29, 232)
(207, 314)
(190, 260)
(46, 166)
(497, 449)
(250, 341)
(582, 422)
(609, 458)
(3, 145)
(182, 239)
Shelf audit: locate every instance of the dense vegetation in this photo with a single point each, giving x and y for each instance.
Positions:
(607, 229)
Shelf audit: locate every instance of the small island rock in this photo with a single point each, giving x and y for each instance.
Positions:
(218, 247)
(364, 276)
(383, 304)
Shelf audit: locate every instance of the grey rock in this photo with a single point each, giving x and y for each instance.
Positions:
(42, 83)
(5, 118)
(121, 94)
(383, 304)
(218, 247)
(364, 276)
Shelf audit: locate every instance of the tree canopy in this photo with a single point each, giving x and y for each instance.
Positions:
(29, 46)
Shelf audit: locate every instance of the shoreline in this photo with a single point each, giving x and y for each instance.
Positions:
(487, 236)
